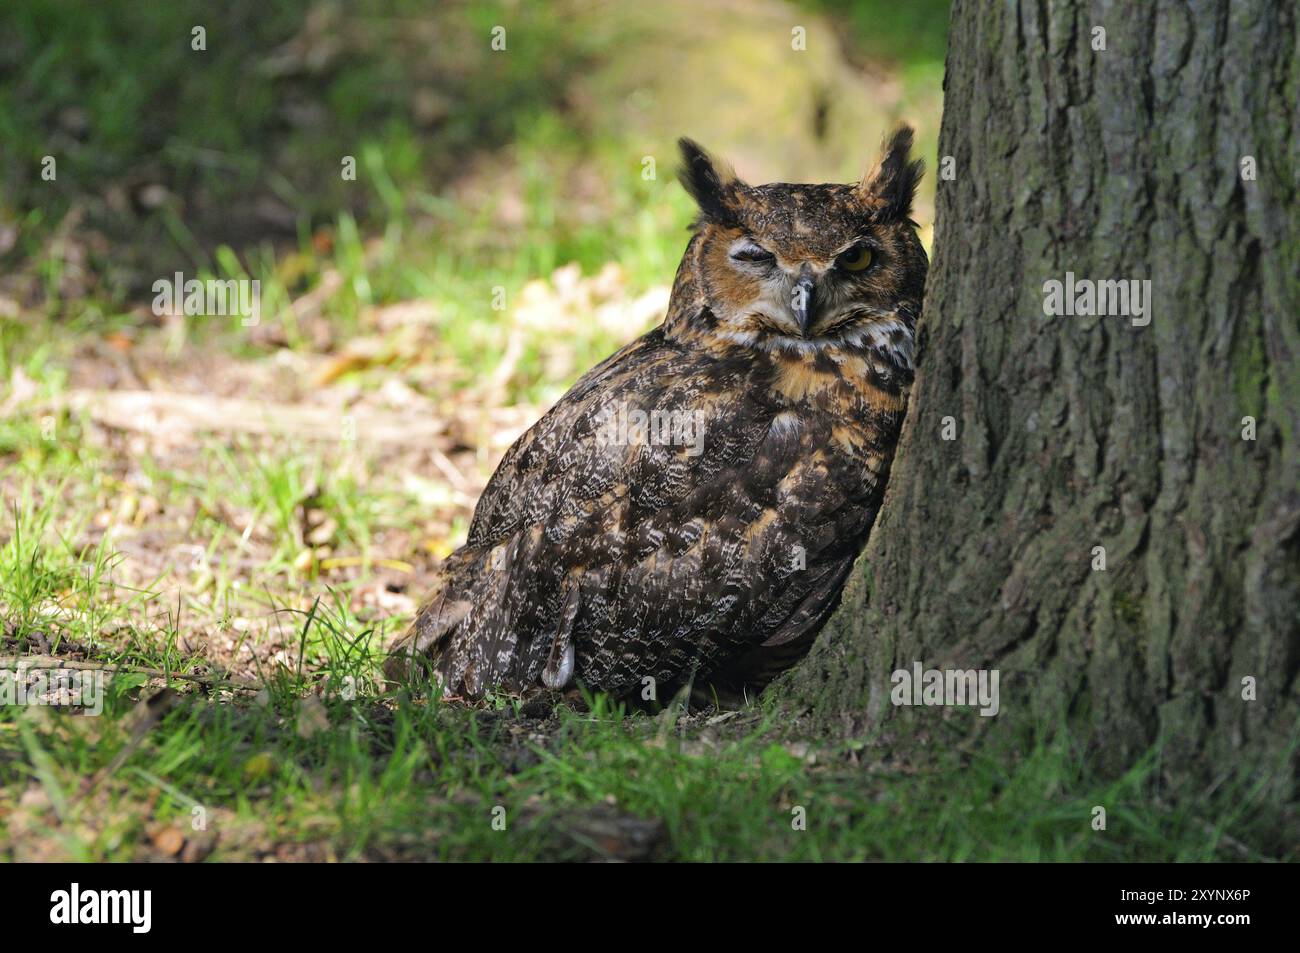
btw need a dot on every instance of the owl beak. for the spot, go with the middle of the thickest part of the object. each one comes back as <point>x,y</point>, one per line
<point>801,301</point>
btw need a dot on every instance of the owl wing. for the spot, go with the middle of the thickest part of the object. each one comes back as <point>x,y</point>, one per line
<point>650,522</point>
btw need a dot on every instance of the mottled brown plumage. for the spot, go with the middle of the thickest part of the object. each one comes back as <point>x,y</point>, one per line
<point>689,511</point>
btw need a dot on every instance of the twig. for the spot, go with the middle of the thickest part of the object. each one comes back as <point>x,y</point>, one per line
<point>8,662</point>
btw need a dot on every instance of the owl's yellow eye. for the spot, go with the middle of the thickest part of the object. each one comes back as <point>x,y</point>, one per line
<point>856,259</point>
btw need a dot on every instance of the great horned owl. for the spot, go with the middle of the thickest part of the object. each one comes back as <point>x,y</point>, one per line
<point>689,511</point>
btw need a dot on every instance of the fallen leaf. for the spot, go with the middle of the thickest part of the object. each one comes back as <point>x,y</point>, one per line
<point>168,841</point>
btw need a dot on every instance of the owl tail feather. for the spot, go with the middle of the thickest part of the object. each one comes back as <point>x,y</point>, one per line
<point>419,648</point>
<point>558,671</point>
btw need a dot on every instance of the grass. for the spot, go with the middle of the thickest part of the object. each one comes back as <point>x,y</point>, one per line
<point>297,775</point>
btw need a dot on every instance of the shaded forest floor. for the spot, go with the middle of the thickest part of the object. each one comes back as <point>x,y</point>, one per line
<point>235,516</point>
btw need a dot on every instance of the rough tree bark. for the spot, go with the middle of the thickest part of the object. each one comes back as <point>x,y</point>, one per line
<point>1074,432</point>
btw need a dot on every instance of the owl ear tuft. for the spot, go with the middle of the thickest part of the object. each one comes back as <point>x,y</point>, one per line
<point>710,181</point>
<point>891,184</point>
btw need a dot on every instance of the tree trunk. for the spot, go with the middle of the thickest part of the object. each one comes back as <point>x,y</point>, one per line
<point>1171,155</point>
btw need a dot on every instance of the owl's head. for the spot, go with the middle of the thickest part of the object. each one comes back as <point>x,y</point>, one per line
<point>803,267</point>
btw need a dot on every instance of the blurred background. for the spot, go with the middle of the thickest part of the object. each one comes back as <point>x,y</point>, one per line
<point>513,218</point>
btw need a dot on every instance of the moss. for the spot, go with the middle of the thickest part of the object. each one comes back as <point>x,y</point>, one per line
<point>1128,609</point>
<point>1250,370</point>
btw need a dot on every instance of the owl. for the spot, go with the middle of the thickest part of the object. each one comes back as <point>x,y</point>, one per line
<point>687,514</point>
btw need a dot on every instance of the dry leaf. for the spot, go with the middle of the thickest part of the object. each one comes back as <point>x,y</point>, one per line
<point>168,841</point>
